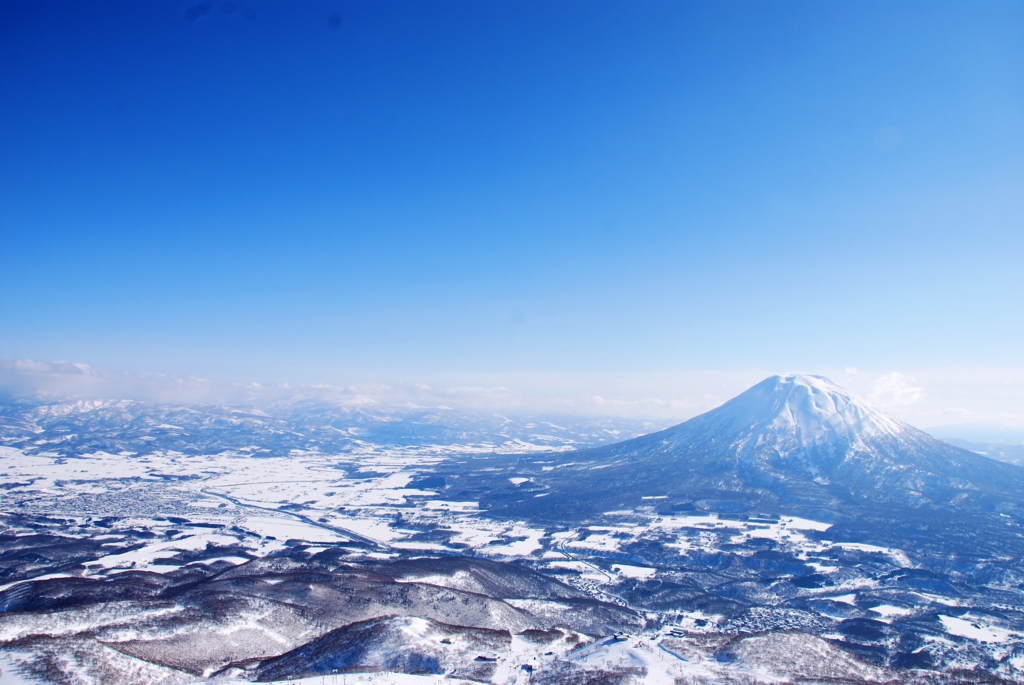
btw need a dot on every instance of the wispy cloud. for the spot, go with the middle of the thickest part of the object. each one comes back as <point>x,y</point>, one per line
<point>663,397</point>
<point>68,380</point>
<point>943,396</point>
<point>73,381</point>
<point>895,390</point>
<point>29,377</point>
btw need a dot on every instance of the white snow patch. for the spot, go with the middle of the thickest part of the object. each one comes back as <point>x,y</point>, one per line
<point>453,506</point>
<point>889,612</point>
<point>976,628</point>
<point>639,572</point>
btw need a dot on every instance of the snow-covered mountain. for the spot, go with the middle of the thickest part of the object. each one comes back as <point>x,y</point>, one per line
<point>791,444</point>
<point>80,428</point>
<point>797,428</point>
<point>795,416</point>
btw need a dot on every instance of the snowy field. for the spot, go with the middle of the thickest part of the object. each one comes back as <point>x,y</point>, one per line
<point>166,511</point>
<point>260,504</point>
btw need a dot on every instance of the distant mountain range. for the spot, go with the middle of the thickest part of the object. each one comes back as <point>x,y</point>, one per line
<point>1000,451</point>
<point>76,428</point>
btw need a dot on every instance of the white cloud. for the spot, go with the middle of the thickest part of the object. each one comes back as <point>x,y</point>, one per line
<point>895,390</point>
<point>931,397</point>
<point>76,380</point>
<point>666,397</point>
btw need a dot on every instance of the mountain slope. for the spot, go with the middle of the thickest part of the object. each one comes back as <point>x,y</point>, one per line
<point>790,444</point>
<point>803,437</point>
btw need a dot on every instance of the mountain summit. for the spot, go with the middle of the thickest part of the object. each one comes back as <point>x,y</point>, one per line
<point>797,425</point>
<point>799,412</point>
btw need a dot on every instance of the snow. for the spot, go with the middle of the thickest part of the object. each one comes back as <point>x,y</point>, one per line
<point>889,612</point>
<point>10,676</point>
<point>377,529</point>
<point>529,543</point>
<point>599,542</point>
<point>285,528</point>
<point>586,571</point>
<point>46,576</point>
<point>229,559</point>
<point>938,599</point>
<point>151,554</point>
<point>811,409</point>
<point>797,523</point>
<point>453,506</point>
<point>976,628</point>
<point>257,505</point>
<point>896,554</point>
<point>789,417</point>
<point>641,572</point>
<point>254,505</point>
<point>697,622</point>
<point>382,678</point>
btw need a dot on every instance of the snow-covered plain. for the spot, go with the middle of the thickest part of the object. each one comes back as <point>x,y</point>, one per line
<point>260,505</point>
<point>726,597</point>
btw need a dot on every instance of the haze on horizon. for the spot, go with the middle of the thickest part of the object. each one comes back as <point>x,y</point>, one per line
<point>626,208</point>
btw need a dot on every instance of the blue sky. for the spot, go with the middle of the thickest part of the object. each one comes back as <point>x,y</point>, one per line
<point>338,192</point>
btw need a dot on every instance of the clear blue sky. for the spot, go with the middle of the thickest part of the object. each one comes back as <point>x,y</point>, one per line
<point>303,191</point>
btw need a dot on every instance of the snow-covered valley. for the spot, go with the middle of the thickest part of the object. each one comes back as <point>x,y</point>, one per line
<point>163,565</point>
